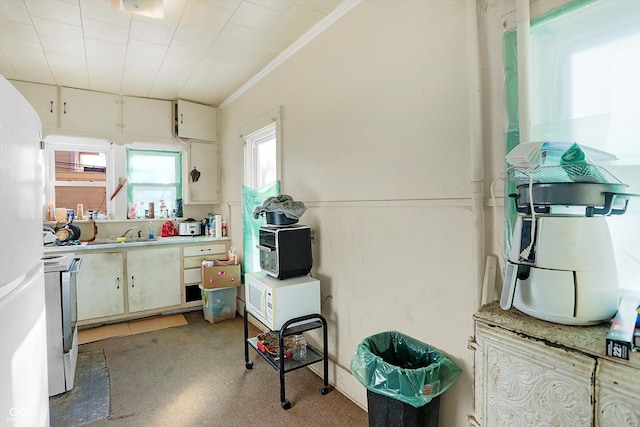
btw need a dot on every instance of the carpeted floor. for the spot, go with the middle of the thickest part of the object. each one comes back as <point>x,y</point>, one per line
<point>195,375</point>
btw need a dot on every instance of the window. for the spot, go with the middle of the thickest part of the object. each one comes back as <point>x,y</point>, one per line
<point>261,157</point>
<point>585,65</point>
<point>77,173</point>
<point>261,181</point>
<point>154,183</point>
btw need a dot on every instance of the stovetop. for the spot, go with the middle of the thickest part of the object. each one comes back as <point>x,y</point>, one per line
<point>57,262</point>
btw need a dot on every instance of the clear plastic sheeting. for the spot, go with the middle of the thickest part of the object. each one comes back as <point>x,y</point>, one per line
<point>403,368</point>
<point>251,199</point>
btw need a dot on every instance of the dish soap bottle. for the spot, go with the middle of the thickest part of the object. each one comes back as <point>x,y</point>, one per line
<point>150,230</point>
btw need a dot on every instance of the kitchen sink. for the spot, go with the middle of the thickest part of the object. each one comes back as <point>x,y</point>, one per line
<point>114,242</point>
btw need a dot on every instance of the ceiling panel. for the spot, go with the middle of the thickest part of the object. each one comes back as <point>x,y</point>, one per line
<point>54,10</point>
<point>151,32</point>
<point>62,47</point>
<point>58,30</point>
<point>14,11</point>
<point>105,31</point>
<point>203,50</point>
<point>255,17</point>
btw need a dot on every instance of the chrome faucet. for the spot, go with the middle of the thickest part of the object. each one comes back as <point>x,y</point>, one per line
<point>132,228</point>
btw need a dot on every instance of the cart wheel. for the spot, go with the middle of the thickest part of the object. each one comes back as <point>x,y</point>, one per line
<point>249,365</point>
<point>324,390</point>
<point>285,405</point>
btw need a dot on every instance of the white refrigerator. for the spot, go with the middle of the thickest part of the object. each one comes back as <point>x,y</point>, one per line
<point>24,396</point>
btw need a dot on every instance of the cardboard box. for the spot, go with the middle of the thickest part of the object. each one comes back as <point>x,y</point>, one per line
<point>620,336</point>
<point>222,276</point>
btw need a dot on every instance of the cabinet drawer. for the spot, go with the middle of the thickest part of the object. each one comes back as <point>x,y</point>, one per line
<point>196,261</point>
<point>192,275</point>
<point>199,250</point>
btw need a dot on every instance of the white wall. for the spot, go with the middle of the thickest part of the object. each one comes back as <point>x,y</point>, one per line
<point>376,143</point>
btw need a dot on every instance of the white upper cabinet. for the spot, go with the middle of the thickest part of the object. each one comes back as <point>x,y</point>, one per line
<point>43,99</point>
<point>204,158</point>
<point>147,118</point>
<point>196,121</point>
<point>90,111</point>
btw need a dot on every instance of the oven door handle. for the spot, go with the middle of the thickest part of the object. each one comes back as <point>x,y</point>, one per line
<point>75,266</point>
<point>264,248</point>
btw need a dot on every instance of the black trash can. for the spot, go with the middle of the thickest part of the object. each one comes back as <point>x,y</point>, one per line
<point>404,378</point>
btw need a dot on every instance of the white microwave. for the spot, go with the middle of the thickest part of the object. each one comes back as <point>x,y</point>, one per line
<point>273,301</point>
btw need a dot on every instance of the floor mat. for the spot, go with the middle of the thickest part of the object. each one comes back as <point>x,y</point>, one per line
<point>89,398</point>
<point>129,328</point>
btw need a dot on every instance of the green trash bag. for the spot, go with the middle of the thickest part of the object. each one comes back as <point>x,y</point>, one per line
<point>403,368</point>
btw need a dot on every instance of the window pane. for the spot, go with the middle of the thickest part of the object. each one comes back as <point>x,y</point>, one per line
<point>266,162</point>
<point>74,171</point>
<point>153,177</point>
<point>586,90</point>
<point>80,166</point>
<point>143,194</point>
<point>152,168</point>
<point>92,198</point>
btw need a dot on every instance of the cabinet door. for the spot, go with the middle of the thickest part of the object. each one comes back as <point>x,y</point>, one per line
<point>196,121</point>
<point>90,111</point>
<point>617,395</point>
<point>521,382</point>
<point>153,278</point>
<point>144,117</point>
<point>43,99</point>
<point>203,157</point>
<point>100,284</point>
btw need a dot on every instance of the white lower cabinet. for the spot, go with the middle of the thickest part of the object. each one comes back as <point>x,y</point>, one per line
<point>618,404</point>
<point>123,284</point>
<point>101,285</point>
<point>529,372</point>
<point>153,278</point>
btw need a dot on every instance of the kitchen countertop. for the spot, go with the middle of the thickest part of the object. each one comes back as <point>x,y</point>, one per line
<point>108,244</point>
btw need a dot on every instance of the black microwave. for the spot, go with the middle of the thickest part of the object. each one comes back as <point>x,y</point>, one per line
<point>285,252</point>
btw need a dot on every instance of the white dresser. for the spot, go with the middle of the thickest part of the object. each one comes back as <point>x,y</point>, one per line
<point>529,372</point>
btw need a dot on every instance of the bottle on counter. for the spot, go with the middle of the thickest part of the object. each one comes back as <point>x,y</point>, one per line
<point>224,228</point>
<point>150,230</point>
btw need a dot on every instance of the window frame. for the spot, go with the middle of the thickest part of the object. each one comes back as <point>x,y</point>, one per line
<point>252,142</point>
<point>179,185</point>
<point>62,143</point>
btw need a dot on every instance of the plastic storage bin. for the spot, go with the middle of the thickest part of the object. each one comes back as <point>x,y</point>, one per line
<point>404,378</point>
<point>219,304</point>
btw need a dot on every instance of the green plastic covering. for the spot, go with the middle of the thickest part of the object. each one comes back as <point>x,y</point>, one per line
<point>398,366</point>
<point>510,54</point>
<point>251,199</point>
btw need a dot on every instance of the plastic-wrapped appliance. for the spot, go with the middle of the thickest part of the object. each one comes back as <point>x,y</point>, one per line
<point>561,265</point>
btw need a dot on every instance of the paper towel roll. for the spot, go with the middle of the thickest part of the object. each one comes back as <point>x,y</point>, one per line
<point>218,226</point>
